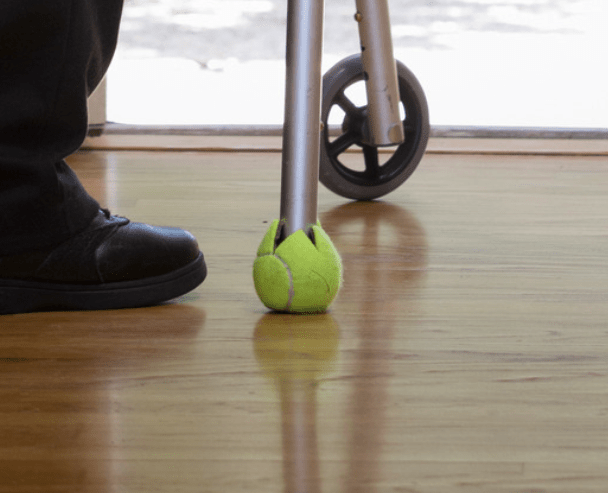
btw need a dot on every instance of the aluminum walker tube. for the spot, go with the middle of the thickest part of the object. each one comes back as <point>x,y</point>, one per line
<point>378,59</point>
<point>302,128</point>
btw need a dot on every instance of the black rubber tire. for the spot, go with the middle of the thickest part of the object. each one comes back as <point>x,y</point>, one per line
<point>377,179</point>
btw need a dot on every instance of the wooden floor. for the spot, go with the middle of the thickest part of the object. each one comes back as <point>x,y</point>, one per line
<point>467,351</point>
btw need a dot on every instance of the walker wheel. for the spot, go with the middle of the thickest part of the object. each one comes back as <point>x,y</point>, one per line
<point>377,174</point>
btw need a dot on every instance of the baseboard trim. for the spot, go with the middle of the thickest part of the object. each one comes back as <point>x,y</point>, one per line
<point>443,140</point>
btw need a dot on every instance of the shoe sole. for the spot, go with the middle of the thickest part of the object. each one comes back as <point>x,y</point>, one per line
<point>17,296</point>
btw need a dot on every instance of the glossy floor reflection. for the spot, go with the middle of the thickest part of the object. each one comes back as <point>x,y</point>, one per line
<point>296,353</point>
<point>466,351</point>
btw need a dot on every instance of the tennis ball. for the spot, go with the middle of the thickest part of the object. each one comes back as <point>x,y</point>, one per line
<point>298,275</point>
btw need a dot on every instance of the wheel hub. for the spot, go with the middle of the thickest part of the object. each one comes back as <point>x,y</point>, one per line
<point>357,124</point>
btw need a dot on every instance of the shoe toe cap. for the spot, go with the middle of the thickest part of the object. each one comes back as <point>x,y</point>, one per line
<point>139,251</point>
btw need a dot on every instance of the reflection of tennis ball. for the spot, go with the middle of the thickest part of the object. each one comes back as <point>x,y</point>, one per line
<point>296,348</point>
<point>297,276</point>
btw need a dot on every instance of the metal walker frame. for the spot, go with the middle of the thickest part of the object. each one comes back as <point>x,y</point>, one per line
<point>302,127</point>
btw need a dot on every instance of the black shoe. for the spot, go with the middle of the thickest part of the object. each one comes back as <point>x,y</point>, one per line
<point>114,263</point>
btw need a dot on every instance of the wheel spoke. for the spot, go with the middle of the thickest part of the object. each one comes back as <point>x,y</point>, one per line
<point>372,164</point>
<point>341,144</point>
<point>346,104</point>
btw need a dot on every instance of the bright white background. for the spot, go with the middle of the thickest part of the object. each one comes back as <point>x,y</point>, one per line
<point>532,63</point>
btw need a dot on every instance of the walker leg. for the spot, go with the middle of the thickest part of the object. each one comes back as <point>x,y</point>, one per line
<point>302,128</point>
<point>386,127</point>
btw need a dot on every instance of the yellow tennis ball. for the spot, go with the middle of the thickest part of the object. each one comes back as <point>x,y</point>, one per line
<point>297,276</point>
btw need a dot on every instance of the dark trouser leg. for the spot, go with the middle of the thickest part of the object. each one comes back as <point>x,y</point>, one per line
<point>52,55</point>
